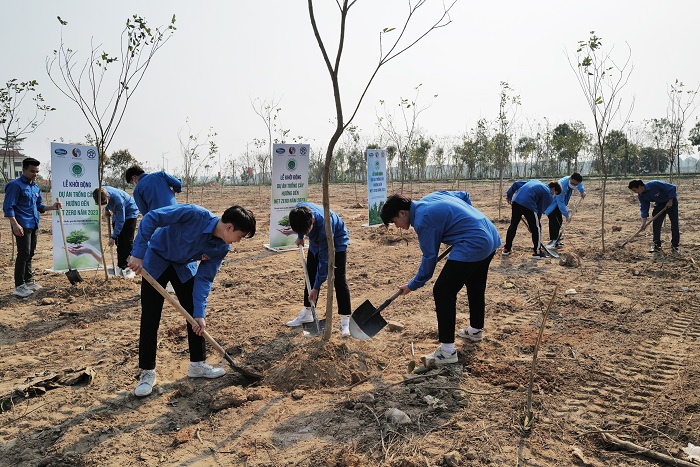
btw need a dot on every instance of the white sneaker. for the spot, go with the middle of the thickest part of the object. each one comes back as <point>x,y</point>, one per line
<point>118,271</point>
<point>22,291</point>
<point>146,383</point>
<point>471,334</point>
<point>305,316</point>
<point>204,370</point>
<point>344,329</point>
<point>128,273</point>
<point>439,358</point>
<point>33,286</point>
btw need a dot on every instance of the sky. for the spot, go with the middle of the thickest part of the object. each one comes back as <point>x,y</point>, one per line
<point>226,54</point>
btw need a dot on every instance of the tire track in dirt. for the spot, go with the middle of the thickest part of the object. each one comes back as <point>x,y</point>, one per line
<point>627,390</point>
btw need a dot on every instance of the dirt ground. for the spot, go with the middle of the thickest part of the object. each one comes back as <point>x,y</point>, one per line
<point>621,356</point>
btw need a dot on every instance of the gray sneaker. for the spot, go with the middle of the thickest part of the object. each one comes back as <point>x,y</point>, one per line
<point>471,334</point>
<point>22,291</point>
<point>33,286</point>
<point>146,383</point>
<point>204,370</point>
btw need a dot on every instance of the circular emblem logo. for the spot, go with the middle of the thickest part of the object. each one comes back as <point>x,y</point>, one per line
<point>376,165</point>
<point>91,154</point>
<point>76,169</point>
<point>76,152</point>
<point>291,165</point>
<point>292,149</point>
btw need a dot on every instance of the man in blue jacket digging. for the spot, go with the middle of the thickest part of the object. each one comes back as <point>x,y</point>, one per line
<point>448,217</point>
<point>557,211</point>
<point>664,197</point>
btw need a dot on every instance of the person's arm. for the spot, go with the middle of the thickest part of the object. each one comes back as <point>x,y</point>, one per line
<point>174,183</point>
<point>140,202</point>
<point>158,218</point>
<point>119,218</point>
<point>581,190</point>
<point>206,272</point>
<point>322,268</point>
<point>12,193</point>
<point>429,240</point>
<point>42,208</point>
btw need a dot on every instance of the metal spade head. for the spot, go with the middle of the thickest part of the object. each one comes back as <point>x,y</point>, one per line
<point>312,330</point>
<point>73,276</point>
<point>366,321</point>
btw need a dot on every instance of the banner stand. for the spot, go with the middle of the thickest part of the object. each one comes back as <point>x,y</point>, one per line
<point>283,249</point>
<point>376,186</point>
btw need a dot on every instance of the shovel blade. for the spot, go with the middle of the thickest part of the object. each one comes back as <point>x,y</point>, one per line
<point>369,328</point>
<point>550,251</point>
<point>311,330</point>
<point>552,244</point>
<point>364,312</point>
<point>73,276</point>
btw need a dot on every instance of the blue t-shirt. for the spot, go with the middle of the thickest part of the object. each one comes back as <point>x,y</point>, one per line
<point>155,191</point>
<point>180,236</point>
<point>318,243</point>
<point>446,217</point>
<point>23,201</point>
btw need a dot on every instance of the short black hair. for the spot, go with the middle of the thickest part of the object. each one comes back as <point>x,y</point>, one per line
<point>131,172</point>
<point>241,218</point>
<point>635,184</point>
<point>392,206</point>
<point>30,161</point>
<point>555,186</point>
<point>577,176</point>
<point>300,219</point>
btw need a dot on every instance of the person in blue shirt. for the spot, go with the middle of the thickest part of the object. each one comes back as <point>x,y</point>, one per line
<point>513,190</point>
<point>665,199</point>
<point>448,217</point>
<point>307,219</point>
<point>154,190</point>
<point>530,202</point>
<point>22,204</point>
<point>557,209</point>
<point>124,213</point>
<point>183,245</point>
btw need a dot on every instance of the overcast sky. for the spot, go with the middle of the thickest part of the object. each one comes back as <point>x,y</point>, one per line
<point>226,53</point>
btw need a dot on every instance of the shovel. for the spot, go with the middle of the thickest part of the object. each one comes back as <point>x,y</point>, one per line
<point>553,243</point>
<point>72,274</point>
<point>549,250</point>
<point>113,271</point>
<point>242,370</point>
<point>642,229</point>
<point>316,327</point>
<point>366,321</point>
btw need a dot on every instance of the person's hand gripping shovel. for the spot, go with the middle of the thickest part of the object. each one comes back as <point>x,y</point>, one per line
<point>113,271</point>
<point>553,243</point>
<point>643,228</point>
<point>366,321</point>
<point>315,327</point>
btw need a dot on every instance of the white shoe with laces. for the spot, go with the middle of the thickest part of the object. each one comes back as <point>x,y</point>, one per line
<point>22,291</point>
<point>471,334</point>
<point>439,358</point>
<point>305,316</point>
<point>128,273</point>
<point>33,286</point>
<point>146,383</point>
<point>204,370</point>
<point>344,329</point>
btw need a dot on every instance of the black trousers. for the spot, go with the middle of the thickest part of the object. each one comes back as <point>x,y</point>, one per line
<point>342,291</point>
<point>672,214</point>
<point>26,245</point>
<point>533,223</point>
<point>151,309</point>
<point>454,276</point>
<point>125,242</point>
<point>555,221</point>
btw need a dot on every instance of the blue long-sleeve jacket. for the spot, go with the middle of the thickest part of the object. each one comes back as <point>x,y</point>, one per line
<point>23,201</point>
<point>184,238</point>
<point>155,190</point>
<point>318,244</point>
<point>123,207</point>
<point>445,217</point>
<point>562,200</point>
<point>514,188</point>
<point>535,196</point>
<point>657,191</point>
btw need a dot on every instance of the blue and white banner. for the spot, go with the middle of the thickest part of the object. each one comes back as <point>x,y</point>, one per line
<point>290,185</point>
<point>73,177</point>
<point>376,184</point>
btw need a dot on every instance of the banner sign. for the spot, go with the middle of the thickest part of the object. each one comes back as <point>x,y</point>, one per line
<point>73,177</point>
<point>376,184</point>
<point>290,185</point>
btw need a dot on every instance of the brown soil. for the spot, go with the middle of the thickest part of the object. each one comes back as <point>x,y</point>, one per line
<point>621,355</point>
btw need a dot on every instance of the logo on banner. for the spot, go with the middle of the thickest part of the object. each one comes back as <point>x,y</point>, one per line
<point>292,150</point>
<point>91,154</point>
<point>302,151</point>
<point>279,150</point>
<point>61,152</point>
<point>291,165</point>
<point>377,165</point>
<point>77,170</point>
<point>76,152</point>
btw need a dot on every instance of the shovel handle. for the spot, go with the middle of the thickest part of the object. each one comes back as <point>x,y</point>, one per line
<point>642,229</point>
<point>146,275</point>
<point>63,234</point>
<point>308,287</point>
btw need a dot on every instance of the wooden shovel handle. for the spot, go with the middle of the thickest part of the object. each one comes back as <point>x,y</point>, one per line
<point>642,229</point>
<point>63,234</point>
